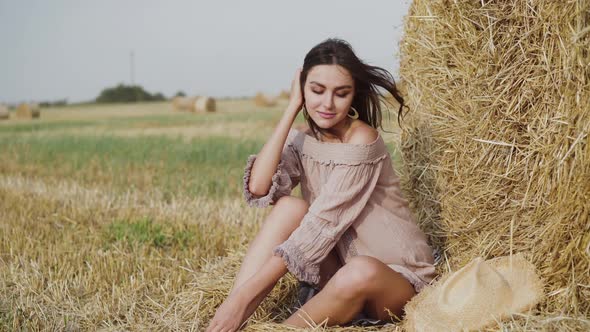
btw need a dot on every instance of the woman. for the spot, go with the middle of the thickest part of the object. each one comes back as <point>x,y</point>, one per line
<point>352,235</point>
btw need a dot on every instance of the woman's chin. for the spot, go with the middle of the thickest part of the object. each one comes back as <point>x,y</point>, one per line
<point>325,123</point>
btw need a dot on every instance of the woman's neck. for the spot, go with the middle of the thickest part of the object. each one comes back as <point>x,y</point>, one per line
<point>338,133</point>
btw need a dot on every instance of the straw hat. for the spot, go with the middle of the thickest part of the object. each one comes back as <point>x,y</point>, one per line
<point>479,294</point>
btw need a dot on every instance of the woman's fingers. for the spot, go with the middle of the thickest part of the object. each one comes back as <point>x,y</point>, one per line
<point>296,97</point>
<point>228,316</point>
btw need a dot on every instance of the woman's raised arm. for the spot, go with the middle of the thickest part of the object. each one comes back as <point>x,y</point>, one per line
<point>268,158</point>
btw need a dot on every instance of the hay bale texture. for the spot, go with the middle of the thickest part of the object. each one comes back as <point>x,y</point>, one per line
<point>4,114</point>
<point>199,104</point>
<point>28,111</point>
<point>495,146</point>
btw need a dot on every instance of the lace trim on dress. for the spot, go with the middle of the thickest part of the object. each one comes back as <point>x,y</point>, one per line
<point>281,186</point>
<point>328,162</point>
<point>348,245</point>
<point>296,264</point>
<point>329,153</point>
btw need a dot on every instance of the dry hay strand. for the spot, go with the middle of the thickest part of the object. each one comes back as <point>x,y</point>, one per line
<point>264,100</point>
<point>186,104</point>
<point>28,111</point>
<point>4,113</point>
<point>204,104</point>
<point>495,146</point>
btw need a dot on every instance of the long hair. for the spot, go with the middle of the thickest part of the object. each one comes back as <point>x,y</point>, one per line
<point>367,80</point>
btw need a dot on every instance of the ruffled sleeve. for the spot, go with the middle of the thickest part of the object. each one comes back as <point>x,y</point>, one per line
<point>339,203</point>
<point>284,180</point>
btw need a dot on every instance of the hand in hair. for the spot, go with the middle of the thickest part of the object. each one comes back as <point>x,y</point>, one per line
<point>296,96</point>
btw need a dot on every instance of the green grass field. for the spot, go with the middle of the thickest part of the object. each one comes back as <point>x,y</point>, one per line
<point>112,217</point>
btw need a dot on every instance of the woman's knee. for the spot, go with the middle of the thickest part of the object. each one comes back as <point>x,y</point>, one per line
<point>357,276</point>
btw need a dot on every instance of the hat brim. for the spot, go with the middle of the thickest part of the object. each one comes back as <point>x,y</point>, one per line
<point>423,312</point>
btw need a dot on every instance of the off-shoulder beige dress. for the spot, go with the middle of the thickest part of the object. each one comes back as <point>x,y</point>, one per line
<point>356,206</point>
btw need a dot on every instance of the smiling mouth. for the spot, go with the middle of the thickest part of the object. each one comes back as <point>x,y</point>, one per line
<point>327,115</point>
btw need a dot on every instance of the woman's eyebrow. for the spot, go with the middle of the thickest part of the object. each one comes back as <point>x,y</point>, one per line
<point>337,88</point>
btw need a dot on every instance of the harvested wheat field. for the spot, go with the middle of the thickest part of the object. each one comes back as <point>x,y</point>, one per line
<point>496,150</point>
<point>129,217</point>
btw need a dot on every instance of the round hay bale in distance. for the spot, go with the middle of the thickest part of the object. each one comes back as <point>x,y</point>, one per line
<point>184,104</point>
<point>264,100</point>
<point>28,111</point>
<point>205,104</point>
<point>4,113</point>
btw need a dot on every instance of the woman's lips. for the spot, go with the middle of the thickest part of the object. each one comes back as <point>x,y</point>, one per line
<point>327,115</point>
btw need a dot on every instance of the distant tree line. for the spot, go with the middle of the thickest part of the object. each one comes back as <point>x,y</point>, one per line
<point>55,103</point>
<point>119,94</point>
<point>127,94</point>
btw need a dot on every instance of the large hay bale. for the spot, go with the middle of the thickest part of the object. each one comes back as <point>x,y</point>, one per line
<point>28,111</point>
<point>264,100</point>
<point>186,104</point>
<point>496,145</point>
<point>205,104</point>
<point>4,114</point>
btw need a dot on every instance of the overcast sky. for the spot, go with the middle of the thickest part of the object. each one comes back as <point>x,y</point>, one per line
<point>73,49</point>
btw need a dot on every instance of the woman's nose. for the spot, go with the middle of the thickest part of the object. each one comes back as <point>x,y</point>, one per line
<point>328,101</point>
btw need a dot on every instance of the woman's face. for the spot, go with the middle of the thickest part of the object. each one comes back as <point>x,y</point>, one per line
<point>328,92</point>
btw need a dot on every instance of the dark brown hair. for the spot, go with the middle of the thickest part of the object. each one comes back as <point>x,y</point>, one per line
<point>367,80</point>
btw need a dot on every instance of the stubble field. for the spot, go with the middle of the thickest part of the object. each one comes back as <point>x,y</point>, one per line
<point>128,217</point>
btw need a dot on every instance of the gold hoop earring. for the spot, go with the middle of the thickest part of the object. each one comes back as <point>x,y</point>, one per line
<point>354,115</point>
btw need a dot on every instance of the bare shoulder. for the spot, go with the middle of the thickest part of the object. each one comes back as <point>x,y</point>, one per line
<point>362,133</point>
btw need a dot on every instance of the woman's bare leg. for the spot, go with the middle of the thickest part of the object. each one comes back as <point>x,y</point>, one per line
<point>329,267</point>
<point>284,218</point>
<point>364,283</point>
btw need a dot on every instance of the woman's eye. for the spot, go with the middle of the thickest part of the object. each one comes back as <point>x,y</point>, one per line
<point>317,92</point>
<point>343,95</point>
